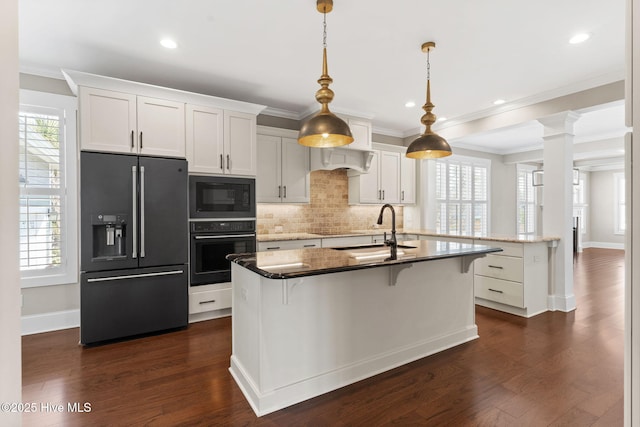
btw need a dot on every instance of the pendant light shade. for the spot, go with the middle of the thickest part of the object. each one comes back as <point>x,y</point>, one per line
<point>324,129</point>
<point>429,145</point>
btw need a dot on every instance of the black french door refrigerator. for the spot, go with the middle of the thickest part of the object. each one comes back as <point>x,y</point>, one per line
<point>133,240</point>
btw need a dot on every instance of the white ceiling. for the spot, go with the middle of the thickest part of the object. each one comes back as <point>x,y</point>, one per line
<point>269,52</point>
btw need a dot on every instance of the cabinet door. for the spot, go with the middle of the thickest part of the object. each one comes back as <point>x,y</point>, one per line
<point>107,121</point>
<point>161,128</point>
<point>204,129</point>
<point>269,178</point>
<point>361,131</point>
<point>407,180</point>
<point>370,192</point>
<point>389,174</point>
<point>240,143</point>
<point>295,172</point>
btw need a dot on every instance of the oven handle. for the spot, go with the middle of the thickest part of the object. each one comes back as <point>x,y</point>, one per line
<point>227,236</point>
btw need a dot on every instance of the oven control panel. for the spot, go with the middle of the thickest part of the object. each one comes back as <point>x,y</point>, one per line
<point>222,226</point>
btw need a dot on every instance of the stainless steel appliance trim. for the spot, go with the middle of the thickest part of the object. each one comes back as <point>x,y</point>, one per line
<point>142,252</point>
<point>134,276</point>
<point>226,236</point>
<point>221,219</point>
<point>134,170</point>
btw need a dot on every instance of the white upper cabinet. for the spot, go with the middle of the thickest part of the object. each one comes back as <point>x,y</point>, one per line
<point>240,156</point>
<point>407,180</point>
<point>124,123</point>
<point>295,172</point>
<point>283,168</point>
<point>220,141</point>
<point>108,121</point>
<point>361,131</point>
<point>381,184</point>
<point>217,135</point>
<point>205,151</point>
<point>160,127</point>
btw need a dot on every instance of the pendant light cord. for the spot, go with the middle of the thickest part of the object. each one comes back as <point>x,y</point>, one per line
<point>324,34</point>
<point>428,65</point>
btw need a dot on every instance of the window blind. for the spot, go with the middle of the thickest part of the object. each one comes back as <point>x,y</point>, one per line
<point>41,179</point>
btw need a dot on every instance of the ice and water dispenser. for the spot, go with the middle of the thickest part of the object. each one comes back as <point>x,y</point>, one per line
<point>109,236</point>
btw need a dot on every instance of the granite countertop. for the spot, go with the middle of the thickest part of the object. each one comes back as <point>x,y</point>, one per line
<point>431,233</point>
<point>294,263</point>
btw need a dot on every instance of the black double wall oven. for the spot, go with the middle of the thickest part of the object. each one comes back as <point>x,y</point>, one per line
<point>222,220</point>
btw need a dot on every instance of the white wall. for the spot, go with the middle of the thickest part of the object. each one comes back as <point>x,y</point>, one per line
<point>601,211</point>
<point>10,351</point>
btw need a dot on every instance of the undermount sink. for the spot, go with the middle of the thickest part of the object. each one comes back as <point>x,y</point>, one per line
<point>369,247</point>
<point>374,251</point>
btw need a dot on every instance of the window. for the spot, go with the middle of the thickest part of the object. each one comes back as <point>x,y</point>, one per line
<point>462,196</point>
<point>47,180</point>
<point>620,222</point>
<point>580,202</point>
<point>526,201</point>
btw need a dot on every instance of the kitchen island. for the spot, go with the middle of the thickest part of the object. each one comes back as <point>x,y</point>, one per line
<point>308,321</point>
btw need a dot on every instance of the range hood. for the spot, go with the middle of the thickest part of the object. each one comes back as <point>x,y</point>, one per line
<point>340,158</point>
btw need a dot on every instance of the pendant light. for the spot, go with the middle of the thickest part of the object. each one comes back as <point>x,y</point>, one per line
<point>429,145</point>
<point>324,129</point>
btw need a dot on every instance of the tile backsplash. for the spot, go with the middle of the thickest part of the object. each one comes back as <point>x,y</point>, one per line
<point>328,213</point>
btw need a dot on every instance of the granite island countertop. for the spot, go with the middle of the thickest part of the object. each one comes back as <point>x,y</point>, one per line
<point>287,264</point>
<point>421,232</point>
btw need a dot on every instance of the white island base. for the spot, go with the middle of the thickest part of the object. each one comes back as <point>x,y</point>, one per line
<point>294,339</point>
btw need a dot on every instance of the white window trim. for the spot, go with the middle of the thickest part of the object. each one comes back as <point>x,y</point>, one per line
<point>69,273</point>
<point>474,161</point>
<point>617,177</point>
<point>526,169</point>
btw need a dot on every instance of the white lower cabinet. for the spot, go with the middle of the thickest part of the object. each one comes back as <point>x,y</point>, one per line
<point>514,280</point>
<point>209,301</point>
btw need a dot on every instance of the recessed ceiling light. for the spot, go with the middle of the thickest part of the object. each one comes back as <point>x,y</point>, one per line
<point>499,102</point>
<point>410,104</point>
<point>168,43</point>
<point>579,38</point>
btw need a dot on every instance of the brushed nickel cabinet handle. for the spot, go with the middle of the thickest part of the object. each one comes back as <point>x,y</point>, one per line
<point>496,266</point>
<point>221,162</point>
<point>132,134</point>
<point>141,140</point>
<point>496,290</point>
<point>207,302</point>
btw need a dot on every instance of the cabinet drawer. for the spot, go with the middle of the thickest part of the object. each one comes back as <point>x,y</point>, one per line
<point>336,242</point>
<point>502,291</point>
<point>500,267</point>
<point>209,300</point>
<point>280,245</point>
<point>508,248</point>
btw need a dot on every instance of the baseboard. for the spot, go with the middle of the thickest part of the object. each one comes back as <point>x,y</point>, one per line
<point>603,245</point>
<point>269,401</point>
<point>47,322</point>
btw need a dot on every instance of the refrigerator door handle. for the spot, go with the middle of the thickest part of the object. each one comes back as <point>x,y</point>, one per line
<point>142,254</point>
<point>134,276</point>
<point>134,176</point>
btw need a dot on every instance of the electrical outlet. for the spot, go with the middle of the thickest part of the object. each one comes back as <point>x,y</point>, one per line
<point>279,229</point>
<point>245,294</point>
<point>536,258</point>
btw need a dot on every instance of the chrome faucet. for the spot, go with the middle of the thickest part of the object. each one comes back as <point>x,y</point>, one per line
<point>392,243</point>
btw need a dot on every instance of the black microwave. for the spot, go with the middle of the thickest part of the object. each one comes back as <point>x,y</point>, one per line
<point>221,197</point>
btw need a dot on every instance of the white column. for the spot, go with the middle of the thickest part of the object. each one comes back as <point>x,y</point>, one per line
<point>10,354</point>
<point>557,211</point>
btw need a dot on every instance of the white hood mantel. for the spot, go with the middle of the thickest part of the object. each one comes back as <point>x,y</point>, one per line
<point>339,158</point>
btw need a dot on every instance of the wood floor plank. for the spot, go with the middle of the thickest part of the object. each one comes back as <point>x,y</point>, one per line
<point>553,369</point>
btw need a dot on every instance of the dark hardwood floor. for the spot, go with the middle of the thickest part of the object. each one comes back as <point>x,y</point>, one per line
<point>560,369</point>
